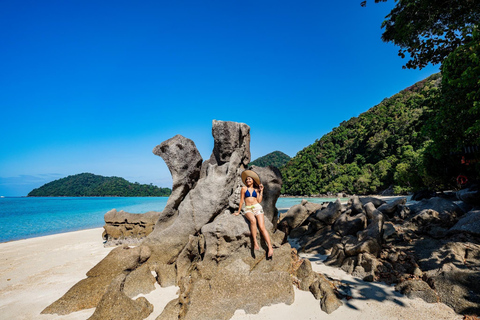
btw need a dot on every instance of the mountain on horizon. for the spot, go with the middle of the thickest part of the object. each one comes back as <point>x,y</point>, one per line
<point>91,185</point>
<point>276,158</point>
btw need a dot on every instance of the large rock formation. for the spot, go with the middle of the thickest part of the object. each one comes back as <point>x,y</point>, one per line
<point>198,244</point>
<point>430,249</point>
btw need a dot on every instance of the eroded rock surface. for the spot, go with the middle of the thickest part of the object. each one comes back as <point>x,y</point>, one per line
<point>128,228</point>
<point>430,249</point>
<point>198,244</point>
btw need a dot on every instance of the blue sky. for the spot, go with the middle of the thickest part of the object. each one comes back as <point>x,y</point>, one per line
<point>94,86</point>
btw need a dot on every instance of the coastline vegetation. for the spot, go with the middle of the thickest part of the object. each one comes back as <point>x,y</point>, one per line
<point>366,154</point>
<point>425,137</point>
<point>91,185</point>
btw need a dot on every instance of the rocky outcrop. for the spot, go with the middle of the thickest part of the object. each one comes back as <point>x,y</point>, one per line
<point>127,228</point>
<point>184,162</point>
<point>470,195</point>
<point>470,223</point>
<point>215,192</point>
<point>198,244</point>
<point>88,292</point>
<point>430,248</point>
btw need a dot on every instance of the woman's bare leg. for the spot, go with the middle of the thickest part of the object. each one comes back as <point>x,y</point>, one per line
<point>253,229</point>
<point>264,232</point>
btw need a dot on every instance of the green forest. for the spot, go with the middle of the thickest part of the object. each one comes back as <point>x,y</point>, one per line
<point>426,136</point>
<point>276,158</point>
<point>367,154</point>
<point>91,185</point>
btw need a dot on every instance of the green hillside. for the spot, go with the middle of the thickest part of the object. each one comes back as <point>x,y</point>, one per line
<point>276,158</point>
<point>367,154</point>
<point>91,185</point>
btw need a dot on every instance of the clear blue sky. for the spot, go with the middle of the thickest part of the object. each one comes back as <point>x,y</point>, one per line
<point>94,86</point>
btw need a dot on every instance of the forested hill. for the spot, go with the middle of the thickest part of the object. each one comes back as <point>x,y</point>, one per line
<point>276,158</point>
<point>380,148</point>
<point>91,185</point>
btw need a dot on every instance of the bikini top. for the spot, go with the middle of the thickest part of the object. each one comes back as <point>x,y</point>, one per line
<point>247,194</point>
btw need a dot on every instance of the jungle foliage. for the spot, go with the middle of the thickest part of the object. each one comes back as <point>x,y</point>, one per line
<point>366,154</point>
<point>91,185</point>
<point>422,137</point>
<point>276,158</point>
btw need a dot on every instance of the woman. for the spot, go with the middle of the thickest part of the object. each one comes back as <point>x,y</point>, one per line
<point>252,195</point>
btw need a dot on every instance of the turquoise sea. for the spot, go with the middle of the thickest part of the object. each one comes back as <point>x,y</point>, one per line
<point>22,217</point>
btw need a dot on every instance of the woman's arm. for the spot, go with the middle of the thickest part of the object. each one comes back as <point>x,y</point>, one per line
<point>242,198</point>
<point>260,193</point>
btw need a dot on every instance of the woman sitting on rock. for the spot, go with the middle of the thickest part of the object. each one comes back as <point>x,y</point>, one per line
<point>252,195</point>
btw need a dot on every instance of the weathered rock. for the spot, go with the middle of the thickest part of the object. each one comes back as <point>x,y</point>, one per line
<point>447,210</point>
<point>426,216</point>
<point>470,223</point>
<point>377,202</point>
<point>184,162</point>
<point>297,215</point>
<point>166,274</point>
<point>88,292</point>
<point>116,305</point>
<point>389,231</point>
<point>228,292</point>
<point>207,200</point>
<point>330,213</point>
<point>374,228</point>
<point>417,289</point>
<point>349,225</point>
<point>349,264</point>
<point>390,208</point>
<point>225,235</point>
<point>367,245</point>
<point>356,205</point>
<point>139,281</point>
<point>324,239</point>
<point>323,290</point>
<point>470,195</point>
<point>128,228</point>
<point>365,267</point>
<point>305,275</point>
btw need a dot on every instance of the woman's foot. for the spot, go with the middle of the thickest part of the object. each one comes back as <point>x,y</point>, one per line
<point>256,247</point>
<point>270,252</point>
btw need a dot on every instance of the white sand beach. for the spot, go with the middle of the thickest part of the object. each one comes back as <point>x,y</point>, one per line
<point>36,272</point>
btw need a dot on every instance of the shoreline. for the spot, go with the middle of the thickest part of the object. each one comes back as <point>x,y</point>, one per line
<point>281,210</point>
<point>35,272</point>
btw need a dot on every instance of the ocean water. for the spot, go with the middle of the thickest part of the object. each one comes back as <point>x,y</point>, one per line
<point>23,217</point>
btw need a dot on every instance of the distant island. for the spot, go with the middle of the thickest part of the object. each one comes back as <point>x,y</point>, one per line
<point>276,158</point>
<point>91,185</point>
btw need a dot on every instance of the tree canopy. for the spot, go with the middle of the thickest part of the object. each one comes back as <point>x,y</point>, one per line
<point>429,30</point>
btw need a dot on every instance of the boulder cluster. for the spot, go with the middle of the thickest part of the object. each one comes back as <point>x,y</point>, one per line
<point>429,248</point>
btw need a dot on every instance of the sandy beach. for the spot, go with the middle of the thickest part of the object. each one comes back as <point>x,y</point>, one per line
<point>36,272</point>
